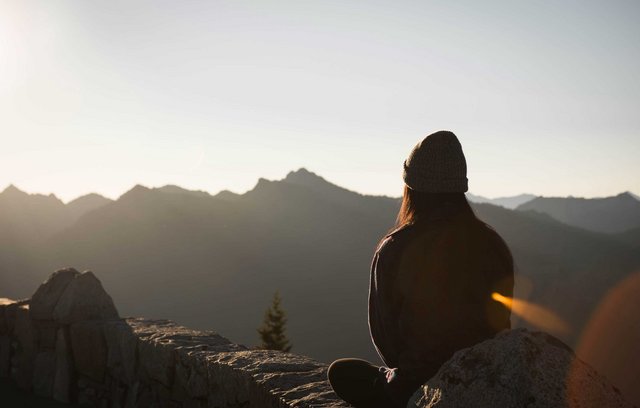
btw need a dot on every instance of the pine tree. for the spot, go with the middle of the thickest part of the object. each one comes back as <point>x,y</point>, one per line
<point>272,331</point>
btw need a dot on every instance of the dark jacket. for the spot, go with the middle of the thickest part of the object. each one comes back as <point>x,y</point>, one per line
<point>430,295</point>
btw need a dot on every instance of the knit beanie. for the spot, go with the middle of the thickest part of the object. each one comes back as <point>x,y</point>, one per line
<point>437,165</point>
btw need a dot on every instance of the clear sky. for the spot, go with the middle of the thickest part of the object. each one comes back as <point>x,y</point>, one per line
<point>96,96</point>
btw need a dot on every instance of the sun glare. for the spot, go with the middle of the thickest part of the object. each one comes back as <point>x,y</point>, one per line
<point>536,315</point>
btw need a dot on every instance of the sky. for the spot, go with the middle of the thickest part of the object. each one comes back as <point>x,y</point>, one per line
<point>212,95</point>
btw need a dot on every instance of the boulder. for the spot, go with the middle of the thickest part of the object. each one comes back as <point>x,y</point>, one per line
<point>5,356</point>
<point>49,292</point>
<point>4,304</point>
<point>44,373</point>
<point>25,335</point>
<point>89,349</point>
<point>84,298</point>
<point>10,311</point>
<point>268,378</point>
<point>46,334</point>
<point>159,342</point>
<point>517,368</point>
<point>64,368</point>
<point>122,345</point>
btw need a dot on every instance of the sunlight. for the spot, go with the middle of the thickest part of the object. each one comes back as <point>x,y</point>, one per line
<point>611,338</point>
<point>534,314</point>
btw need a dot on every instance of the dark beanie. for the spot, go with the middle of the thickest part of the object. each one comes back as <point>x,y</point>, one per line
<point>437,165</point>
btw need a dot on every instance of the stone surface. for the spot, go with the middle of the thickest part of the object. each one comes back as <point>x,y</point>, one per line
<point>64,368</point>
<point>10,314</point>
<point>517,368</point>
<point>89,349</point>
<point>122,346</point>
<point>4,303</point>
<point>84,298</point>
<point>5,356</point>
<point>159,340</point>
<point>49,292</point>
<point>44,373</point>
<point>25,334</point>
<point>46,331</point>
<point>78,350</point>
<point>269,378</point>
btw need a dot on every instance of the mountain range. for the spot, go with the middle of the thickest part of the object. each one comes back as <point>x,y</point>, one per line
<point>609,214</point>
<point>214,261</point>
<point>510,202</point>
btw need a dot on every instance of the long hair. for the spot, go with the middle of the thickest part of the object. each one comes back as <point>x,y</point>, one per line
<point>418,206</point>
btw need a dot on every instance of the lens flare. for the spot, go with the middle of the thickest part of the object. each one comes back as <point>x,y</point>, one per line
<point>611,339</point>
<point>535,315</point>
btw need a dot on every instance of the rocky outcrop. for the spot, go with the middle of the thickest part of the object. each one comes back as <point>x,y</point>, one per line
<point>517,368</point>
<point>68,343</point>
<point>47,295</point>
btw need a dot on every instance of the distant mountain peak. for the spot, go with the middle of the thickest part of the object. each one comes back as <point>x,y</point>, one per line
<point>227,195</point>
<point>627,195</point>
<point>510,202</point>
<point>302,176</point>
<point>14,193</point>
<point>140,187</point>
<point>13,190</point>
<point>91,199</point>
<point>614,214</point>
<point>135,191</point>
<point>173,189</point>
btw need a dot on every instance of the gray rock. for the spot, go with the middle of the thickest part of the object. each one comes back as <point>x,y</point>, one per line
<point>10,311</point>
<point>160,340</point>
<point>122,345</point>
<point>64,368</point>
<point>89,349</point>
<point>4,304</point>
<point>157,359</point>
<point>46,331</point>
<point>84,298</point>
<point>5,356</point>
<point>25,335</point>
<point>48,293</point>
<point>270,379</point>
<point>44,373</point>
<point>131,397</point>
<point>517,368</point>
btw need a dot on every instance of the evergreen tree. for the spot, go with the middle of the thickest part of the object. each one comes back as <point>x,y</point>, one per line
<point>272,331</point>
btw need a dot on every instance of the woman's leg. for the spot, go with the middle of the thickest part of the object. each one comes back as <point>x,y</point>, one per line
<point>358,382</point>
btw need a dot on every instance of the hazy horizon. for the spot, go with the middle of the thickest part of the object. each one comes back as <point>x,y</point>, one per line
<point>67,200</point>
<point>213,95</point>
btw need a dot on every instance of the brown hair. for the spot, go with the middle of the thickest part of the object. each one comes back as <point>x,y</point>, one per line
<point>420,208</point>
<point>418,205</point>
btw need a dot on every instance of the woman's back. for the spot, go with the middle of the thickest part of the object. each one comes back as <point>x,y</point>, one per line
<point>431,287</point>
<point>432,281</point>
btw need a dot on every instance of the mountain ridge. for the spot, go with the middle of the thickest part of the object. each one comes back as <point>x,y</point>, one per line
<point>302,175</point>
<point>613,214</point>
<point>171,254</point>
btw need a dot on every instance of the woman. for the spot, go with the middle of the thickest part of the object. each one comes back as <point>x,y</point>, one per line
<point>432,277</point>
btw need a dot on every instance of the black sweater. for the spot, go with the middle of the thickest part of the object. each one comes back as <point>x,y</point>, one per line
<point>430,295</point>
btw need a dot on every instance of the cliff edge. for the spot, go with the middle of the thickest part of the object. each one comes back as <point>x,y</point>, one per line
<point>69,343</point>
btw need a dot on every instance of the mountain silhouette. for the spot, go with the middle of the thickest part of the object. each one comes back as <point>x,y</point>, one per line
<point>631,237</point>
<point>26,222</point>
<point>609,214</point>
<point>82,205</point>
<point>213,261</point>
<point>510,202</point>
